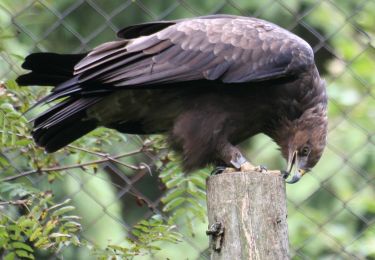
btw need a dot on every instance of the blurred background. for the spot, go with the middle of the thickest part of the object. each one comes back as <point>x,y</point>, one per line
<point>114,181</point>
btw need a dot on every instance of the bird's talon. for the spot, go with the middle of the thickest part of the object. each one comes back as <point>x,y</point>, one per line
<point>218,170</point>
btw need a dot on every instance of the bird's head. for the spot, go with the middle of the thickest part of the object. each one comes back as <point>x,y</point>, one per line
<point>304,143</point>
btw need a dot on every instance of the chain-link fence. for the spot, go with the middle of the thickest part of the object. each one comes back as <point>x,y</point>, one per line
<point>331,211</point>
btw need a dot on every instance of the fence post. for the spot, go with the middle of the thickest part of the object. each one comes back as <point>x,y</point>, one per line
<point>247,216</point>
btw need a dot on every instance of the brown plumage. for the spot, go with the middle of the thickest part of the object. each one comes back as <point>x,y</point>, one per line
<point>209,82</point>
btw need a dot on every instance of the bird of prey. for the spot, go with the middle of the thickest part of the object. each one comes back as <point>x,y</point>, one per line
<point>208,82</point>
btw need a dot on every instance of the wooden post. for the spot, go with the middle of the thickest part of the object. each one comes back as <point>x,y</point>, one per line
<point>247,216</point>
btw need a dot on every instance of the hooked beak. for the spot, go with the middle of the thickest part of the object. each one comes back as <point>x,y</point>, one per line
<point>294,166</point>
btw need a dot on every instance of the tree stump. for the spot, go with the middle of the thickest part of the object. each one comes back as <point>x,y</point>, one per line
<point>247,216</point>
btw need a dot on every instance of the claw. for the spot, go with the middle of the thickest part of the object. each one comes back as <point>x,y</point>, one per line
<point>218,170</point>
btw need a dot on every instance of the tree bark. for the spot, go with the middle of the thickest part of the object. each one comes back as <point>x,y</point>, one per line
<point>247,216</point>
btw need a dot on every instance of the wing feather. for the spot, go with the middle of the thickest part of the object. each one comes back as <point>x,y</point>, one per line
<point>231,49</point>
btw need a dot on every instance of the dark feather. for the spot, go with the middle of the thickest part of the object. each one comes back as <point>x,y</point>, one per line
<point>63,124</point>
<point>61,64</point>
<point>48,69</point>
<point>135,31</point>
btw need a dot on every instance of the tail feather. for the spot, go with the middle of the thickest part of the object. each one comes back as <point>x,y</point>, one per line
<point>50,112</point>
<point>64,113</point>
<point>63,124</point>
<point>48,69</point>
<point>66,120</point>
<point>62,64</point>
<point>40,79</point>
<point>65,134</point>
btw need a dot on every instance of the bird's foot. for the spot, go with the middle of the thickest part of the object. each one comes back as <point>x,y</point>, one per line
<point>242,164</point>
<point>223,169</point>
<point>247,167</point>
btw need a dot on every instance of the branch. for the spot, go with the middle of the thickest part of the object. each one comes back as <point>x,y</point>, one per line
<point>106,158</point>
<point>111,158</point>
<point>15,202</point>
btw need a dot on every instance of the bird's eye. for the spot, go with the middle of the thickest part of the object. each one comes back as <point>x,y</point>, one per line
<point>305,151</point>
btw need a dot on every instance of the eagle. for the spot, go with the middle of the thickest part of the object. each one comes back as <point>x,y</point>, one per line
<point>207,82</point>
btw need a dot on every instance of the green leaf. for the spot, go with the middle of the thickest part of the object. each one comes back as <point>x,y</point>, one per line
<point>16,235</point>
<point>191,188</point>
<point>48,245</point>
<point>199,181</point>
<point>24,254</point>
<point>175,181</point>
<point>6,107</point>
<point>173,204</point>
<point>4,129</point>
<point>63,210</point>
<point>26,223</point>
<point>60,204</point>
<point>195,204</point>
<point>75,240</point>
<point>49,226</point>
<point>10,256</point>
<point>198,193</point>
<point>23,142</point>
<point>20,245</point>
<point>72,224</point>
<point>172,194</point>
<point>155,248</point>
<point>56,235</point>
<point>36,234</point>
<point>71,218</point>
<point>41,241</point>
<point>136,232</point>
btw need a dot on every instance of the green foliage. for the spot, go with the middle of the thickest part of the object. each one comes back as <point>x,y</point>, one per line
<point>9,191</point>
<point>185,198</point>
<point>148,234</point>
<point>13,124</point>
<point>186,193</point>
<point>38,223</point>
<point>41,224</point>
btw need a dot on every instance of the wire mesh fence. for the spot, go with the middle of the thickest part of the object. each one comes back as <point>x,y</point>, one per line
<point>331,212</point>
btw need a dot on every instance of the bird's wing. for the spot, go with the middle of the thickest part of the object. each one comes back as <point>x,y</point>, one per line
<point>229,49</point>
<point>143,29</point>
